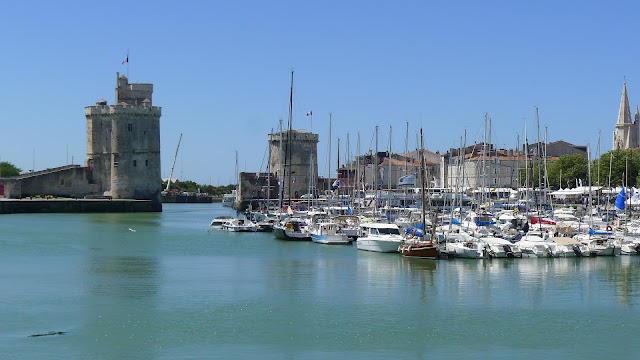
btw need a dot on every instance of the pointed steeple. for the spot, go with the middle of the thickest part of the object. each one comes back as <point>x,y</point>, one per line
<point>624,113</point>
<point>636,117</point>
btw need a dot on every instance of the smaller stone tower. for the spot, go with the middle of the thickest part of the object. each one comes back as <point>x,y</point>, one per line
<point>294,156</point>
<point>123,143</point>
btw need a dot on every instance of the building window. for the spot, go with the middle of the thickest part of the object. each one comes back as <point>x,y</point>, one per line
<point>130,126</point>
<point>115,164</point>
<point>146,163</point>
<point>61,181</point>
<point>135,163</point>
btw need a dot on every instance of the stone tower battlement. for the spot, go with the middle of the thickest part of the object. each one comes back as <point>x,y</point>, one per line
<point>295,136</point>
<point>108,110</point>
<point>132,94</point>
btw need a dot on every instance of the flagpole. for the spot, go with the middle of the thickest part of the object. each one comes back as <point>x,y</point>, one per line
<point>127,63</point>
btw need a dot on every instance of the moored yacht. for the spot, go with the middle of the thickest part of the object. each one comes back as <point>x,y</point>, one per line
<point>218,221</point>
<point>328,233</point>
<point>292,229</point>
<point>500,248</point>
<point>379,237</point>
<point>240,225</point>
<point>229,199</point>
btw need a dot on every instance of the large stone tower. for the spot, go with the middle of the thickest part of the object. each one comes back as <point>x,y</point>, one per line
<point>294,158</point>
<point>123,143</point>
<point>627,133</point>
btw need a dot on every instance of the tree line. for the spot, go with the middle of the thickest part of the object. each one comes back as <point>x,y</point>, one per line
<point>193,187</point>
<point>615,168</point>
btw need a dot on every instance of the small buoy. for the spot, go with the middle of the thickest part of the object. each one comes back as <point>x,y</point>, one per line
<point>130,229</point>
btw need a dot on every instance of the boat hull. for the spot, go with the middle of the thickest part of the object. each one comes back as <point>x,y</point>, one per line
<point>423,250</point>
<point>284,234</point>
<point>377,245</point>
<point>337,239</point>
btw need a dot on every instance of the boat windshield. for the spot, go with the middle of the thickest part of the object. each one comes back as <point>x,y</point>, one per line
<point>389,231</point>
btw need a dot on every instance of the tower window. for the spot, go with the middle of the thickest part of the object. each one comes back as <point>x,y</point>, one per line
<point>146,163</point>
<point>130,126</point>
<point>135,163</point>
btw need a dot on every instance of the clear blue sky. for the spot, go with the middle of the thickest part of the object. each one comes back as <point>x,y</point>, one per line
<point>221,72</point>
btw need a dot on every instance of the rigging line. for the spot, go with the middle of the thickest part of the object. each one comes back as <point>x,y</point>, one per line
<point>373,137</point>
<point>264,156</point>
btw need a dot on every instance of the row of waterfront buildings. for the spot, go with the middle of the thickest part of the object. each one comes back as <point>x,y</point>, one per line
<point>293,164</point>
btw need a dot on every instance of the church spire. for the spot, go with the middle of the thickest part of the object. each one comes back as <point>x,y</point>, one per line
<point>636,116</point>
<point>624,114</point>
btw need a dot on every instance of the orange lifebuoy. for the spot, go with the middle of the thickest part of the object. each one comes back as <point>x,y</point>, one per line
<point>609,228</point>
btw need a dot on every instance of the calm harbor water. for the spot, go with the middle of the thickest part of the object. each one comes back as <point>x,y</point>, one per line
<point>164,286</point>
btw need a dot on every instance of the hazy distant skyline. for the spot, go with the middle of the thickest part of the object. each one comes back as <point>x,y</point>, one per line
<point>221,73</point>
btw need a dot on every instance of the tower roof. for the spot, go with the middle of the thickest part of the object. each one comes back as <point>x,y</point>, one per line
<point>624,113</point>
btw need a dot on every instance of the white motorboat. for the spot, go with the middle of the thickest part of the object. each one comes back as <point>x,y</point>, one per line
<point>536,245</point>
<point>500,248</point>
<point>349,225</point>
<point>292,229</point>
<point>240,225</point>
<point>218,221</point>
<point>328,233</point>
<point>379,237</point>
<point>229,199</point>
<point>463,245</point>
<point>600,245</point>
<point>569,247</point>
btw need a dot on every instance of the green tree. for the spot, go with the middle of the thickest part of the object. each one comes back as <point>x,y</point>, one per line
<point>624,169</point>
<point>567,169</point>
<point>7,169</point>
<point>191,186</point>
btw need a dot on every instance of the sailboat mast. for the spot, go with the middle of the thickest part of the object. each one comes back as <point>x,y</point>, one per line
<point>268,195</point>
<point>526,168</point>
<point>546,174</point>
<point>422,190</point>
<point>375,177</point>
<point>589,177</point>
<point>280,173</point>
<point>338,175</point>
<point>389,175</point>
<point>174,163</point>
<point>288,155</point>
<point>237,177</point>
<point>347,160</point>
<point>356,190</point>
<point>538,155</point>
<point>484,163</point>
<point>329,158</point>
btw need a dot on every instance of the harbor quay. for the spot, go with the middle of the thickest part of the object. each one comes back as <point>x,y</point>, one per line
<point>58,205</point>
